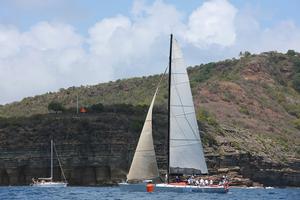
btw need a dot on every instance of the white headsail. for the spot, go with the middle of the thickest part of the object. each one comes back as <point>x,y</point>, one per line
<point>186,152</point>
<point>144,165</point>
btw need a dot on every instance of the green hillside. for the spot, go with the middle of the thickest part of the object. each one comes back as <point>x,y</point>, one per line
<point>251,104</point>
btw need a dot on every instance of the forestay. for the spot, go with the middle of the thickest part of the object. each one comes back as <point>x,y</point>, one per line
<point>186,152</point>
<point>144,165</point>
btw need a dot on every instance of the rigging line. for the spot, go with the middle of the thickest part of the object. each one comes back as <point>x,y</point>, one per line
<point>184,145</point>
<point>158,84</point>
<point>178,139</point>
<point>184,159</point>
<point>178,146</point>
<point>184,117</point>
<point>62,171</point>
<point>144,150</point>
<point>181,130</point>
<point>180,83</point>
<point>174,105</point>
<point>183,73</point>
<point>161,78</point>
<point>184,114</point>
<point>178,58</point>
<point>195,134</point>
<point>145,156</point>
<point>178,124</point>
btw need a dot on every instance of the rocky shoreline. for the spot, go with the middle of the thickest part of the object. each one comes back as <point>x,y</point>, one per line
<point>96,150</point>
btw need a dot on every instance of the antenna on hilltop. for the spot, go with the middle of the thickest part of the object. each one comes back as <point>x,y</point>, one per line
<point>77,104</point>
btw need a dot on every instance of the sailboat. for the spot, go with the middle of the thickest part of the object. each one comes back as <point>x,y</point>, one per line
<point>49,182</point>
<point>185,152</point>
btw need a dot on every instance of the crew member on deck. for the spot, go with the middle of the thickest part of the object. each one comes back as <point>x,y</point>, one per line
<point>166,178</point>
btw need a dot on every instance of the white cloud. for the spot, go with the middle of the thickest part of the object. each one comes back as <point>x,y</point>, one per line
<point>282,37</point>
<point>212,23</point>
<point>103,33</point>
<point>9,41</point>
<point>138,7</point>
<point>133,45</point>
<point>253,37</point>
<point>49,56</point>
<point>45,36</point>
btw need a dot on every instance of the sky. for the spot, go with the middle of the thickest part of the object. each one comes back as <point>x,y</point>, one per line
<point>46,45</point>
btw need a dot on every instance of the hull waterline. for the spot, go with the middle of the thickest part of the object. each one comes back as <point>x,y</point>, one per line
<point>141,187</point>
<point>51,184</point>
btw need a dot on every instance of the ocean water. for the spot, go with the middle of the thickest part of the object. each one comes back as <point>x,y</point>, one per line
<point>109,193</point>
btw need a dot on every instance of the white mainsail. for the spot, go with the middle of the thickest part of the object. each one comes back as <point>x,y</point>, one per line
<point>144,165</point>
<point>186,152</point>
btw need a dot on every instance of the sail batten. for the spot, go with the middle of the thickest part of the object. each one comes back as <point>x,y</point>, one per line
<point>186,156</point>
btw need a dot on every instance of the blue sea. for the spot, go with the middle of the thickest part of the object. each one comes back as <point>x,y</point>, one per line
<point>103,193</point>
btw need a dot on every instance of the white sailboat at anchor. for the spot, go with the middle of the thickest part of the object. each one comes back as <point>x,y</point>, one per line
<point>49,182</point>
<point>185,151</point>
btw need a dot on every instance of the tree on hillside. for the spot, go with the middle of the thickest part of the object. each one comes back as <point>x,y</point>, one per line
<point>296,82</point>
<point>97,107</point>
<point>245,54</point>
<point>55,106</point>
<point>291,52</point>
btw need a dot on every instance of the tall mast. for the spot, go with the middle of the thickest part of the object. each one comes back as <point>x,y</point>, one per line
<point>51,160</point>
<point>169,102</point>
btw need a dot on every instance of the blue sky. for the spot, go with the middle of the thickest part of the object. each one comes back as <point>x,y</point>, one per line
<point>49,44</point>
<point>84,13</point>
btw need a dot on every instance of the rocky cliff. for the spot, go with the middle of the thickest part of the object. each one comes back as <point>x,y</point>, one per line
<point>96,149</point>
